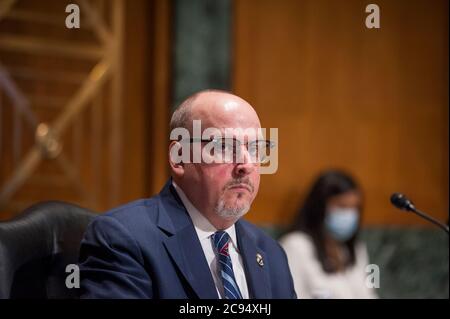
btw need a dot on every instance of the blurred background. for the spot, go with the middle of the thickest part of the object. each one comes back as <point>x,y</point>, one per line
<point>84,112</point>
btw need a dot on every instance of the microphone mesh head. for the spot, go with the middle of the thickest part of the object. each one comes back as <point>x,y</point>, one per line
<point>401,201</point>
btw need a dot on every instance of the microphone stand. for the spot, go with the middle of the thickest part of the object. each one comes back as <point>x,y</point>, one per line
<point>430,219</point>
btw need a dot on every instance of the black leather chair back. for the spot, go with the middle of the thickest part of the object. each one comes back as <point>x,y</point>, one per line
<point>36,247</point>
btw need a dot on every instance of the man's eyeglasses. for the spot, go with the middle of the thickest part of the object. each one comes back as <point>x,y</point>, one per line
<point>228,150</point>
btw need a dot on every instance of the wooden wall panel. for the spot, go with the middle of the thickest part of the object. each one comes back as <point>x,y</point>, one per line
<point>115,156</point>
<point>373,102</point>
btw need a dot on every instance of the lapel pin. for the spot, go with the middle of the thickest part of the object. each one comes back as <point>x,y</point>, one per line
<point>259,259</point>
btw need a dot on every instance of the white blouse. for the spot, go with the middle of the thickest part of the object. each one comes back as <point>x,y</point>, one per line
<point>311,281</point>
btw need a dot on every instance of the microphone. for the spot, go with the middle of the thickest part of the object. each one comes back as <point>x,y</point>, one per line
<point>404,203</point>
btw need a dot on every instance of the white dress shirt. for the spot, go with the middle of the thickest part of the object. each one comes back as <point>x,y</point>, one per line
<point>204,231</point>
<point>311,281</point>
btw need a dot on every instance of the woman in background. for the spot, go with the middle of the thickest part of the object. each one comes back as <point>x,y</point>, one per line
<point>325,257</point>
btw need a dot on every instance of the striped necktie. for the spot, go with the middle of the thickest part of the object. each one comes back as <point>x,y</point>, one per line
<point>221,240</point>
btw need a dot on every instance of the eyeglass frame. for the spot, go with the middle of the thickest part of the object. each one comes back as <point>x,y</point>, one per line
<point>271,144</point>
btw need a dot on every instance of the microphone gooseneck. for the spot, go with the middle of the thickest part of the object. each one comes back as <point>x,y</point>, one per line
<point>404,203</point>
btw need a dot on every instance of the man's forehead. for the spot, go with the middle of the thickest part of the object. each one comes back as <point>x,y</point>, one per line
<point>243,134</point>
<point>236,117</point>
<point>237,123</point>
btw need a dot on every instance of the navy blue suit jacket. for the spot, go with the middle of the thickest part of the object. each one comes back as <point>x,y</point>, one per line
<point>149,249</point>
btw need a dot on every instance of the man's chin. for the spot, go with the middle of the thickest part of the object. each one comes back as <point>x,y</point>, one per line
<point>233,211</point>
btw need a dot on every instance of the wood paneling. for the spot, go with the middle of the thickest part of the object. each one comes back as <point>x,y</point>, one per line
<point>373,102</point>
<point>115,148</point>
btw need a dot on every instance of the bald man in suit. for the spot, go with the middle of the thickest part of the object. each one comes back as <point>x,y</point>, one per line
<point>190,240</point>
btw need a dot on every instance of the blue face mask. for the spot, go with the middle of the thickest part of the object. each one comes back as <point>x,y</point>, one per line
<point>342,223</point>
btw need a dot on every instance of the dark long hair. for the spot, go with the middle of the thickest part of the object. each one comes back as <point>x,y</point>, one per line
<point>311,216</point>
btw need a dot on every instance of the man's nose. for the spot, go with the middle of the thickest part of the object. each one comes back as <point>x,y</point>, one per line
<point>244,165</point>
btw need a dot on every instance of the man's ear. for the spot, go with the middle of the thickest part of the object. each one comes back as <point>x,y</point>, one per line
<point>175,158</point>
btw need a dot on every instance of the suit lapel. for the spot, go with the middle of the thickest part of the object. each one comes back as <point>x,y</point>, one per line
<point>186,251</point>
<point>183,244</point>
<point>257,275</point>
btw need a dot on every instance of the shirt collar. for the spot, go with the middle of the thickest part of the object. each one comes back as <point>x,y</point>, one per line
<point>202,225</point>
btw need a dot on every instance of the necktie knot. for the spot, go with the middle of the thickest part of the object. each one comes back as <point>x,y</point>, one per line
<point>221,240</point>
